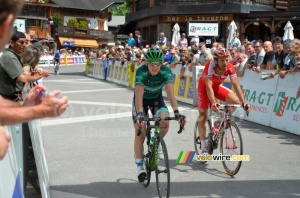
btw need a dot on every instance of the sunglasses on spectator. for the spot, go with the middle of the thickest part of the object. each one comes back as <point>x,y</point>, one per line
<point>155,64</point>
<point>23,42</point>
<point>257,46</point>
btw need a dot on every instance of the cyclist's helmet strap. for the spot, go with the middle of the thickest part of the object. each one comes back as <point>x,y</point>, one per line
<point>154,55</point>
<point>221,52</point>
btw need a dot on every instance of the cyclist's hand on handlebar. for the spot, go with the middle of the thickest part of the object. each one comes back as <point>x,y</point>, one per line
<point>181,120</point>
<point>246,107</point>
<point>139,121</point>
<point>214,107</point>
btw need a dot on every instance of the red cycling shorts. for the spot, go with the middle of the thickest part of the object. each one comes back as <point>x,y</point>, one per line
<point>220,93</point>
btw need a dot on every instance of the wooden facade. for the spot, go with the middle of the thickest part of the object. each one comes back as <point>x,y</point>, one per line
<point>256,19</point>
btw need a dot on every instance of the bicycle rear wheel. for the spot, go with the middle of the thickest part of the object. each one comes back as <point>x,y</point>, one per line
<point>162,171</point>
<point>197,142</point>
<point>231,144</point>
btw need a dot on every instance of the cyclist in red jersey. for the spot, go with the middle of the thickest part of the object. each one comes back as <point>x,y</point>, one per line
<point>210,87</point>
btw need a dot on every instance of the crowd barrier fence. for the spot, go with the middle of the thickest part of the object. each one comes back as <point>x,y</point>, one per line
<point>47,61</point>
<point>275,102</point>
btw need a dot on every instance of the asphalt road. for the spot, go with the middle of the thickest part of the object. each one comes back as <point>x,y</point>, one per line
<point>89,150</point>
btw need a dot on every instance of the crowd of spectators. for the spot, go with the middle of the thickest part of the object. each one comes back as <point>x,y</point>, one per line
<point>280,55</point>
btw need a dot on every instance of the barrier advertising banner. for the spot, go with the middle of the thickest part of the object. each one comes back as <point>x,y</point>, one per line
<point>261,97</point>
<point>10,181</point>
<point>286,110</point>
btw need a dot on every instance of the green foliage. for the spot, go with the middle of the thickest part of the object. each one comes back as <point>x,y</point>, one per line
<point>57,19</point>
<point>73,23</point>
<point>119,10</point>
<point>83,24</point>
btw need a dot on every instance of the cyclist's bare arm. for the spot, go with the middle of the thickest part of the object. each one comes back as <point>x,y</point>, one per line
<point>209,89</point>
<point>170,94</point>
<point>139,92</point>
<point>237,88</point>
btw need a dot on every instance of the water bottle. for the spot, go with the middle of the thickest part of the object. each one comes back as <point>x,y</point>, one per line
<point>43,93</point>
<point>218,122</point>
<point>151,143</point>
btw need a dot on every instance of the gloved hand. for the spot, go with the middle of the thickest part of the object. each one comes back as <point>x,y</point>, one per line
<point>140,116</point>
<point>214,106</point>
<point>177,114</point>
<point>246,107</point>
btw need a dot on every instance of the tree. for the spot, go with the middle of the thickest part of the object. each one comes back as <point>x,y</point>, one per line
<point>73,23</point>
<point>57,19</point>
<point>119,10</point>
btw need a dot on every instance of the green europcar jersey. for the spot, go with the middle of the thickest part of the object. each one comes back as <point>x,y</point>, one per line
<point>153,84</point>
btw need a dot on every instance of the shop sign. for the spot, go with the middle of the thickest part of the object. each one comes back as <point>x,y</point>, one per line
<point>186,18</point>
<point>203,29</point>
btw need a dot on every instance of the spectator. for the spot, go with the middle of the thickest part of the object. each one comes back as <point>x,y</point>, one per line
<point>184,62</point>
<point>289,60</point>
<point>167,55</point>
<point>131,41</point>
<point>162,40</point>
<point>195,40</point>
<point>214,47</point>
<point>183,42</point>
<point>138,39</point>
<point>29,58</point>
<point>195,60</point>
<point>12,76</point>
<point>296,42</point>
<point>204,54</point>
<point>242,59</point>
<point>278,60</point>
<point>260,54</point>
<point>234,41</point>
<point>16,112</point>
<point>267,62</point>
<point>251,55</point>
<point>297,61</point>
<point>174,59</point>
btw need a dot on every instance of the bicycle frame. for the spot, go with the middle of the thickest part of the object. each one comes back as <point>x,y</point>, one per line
<point>223,113</point>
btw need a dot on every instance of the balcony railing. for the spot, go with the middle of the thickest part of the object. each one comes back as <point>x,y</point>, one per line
<point>84,33</point>
<point>34,13</point>
<point>143,4</point>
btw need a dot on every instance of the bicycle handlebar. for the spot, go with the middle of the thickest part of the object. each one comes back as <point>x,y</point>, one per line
<point>158,119</point>
<point>245,107</point>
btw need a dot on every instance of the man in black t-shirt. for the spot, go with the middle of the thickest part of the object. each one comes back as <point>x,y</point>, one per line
<point>267,62</point>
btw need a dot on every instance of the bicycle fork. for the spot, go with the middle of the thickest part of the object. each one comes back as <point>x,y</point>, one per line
<point>228,135</point>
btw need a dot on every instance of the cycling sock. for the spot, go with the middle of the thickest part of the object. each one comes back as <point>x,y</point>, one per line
<point>139,164</point>
<point>203,144</point>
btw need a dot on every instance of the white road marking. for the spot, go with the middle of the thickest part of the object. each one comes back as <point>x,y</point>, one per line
<point>85,119</point>
<point>91,90</point>
<point>99,103</point>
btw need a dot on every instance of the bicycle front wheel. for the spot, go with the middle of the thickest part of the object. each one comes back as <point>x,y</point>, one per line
<point>162,171</point>
<point>147,159</point>
<point>231,144</point>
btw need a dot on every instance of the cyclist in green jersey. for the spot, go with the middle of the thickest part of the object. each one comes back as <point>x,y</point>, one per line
<point>149,82</point>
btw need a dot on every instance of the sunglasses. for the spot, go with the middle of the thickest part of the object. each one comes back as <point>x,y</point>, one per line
<point>23,42</point>
<point>155,64</point>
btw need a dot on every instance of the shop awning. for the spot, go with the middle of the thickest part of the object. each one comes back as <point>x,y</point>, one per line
<point>78,42</point>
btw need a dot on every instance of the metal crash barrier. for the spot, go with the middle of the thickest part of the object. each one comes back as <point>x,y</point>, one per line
<point>275,102</point>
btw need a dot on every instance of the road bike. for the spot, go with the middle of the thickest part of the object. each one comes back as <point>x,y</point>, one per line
<point>56,66</point>
<point>219,126</point>
<point>150,159</point>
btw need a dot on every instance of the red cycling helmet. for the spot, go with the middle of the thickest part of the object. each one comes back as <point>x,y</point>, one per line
<point>221,52</point>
